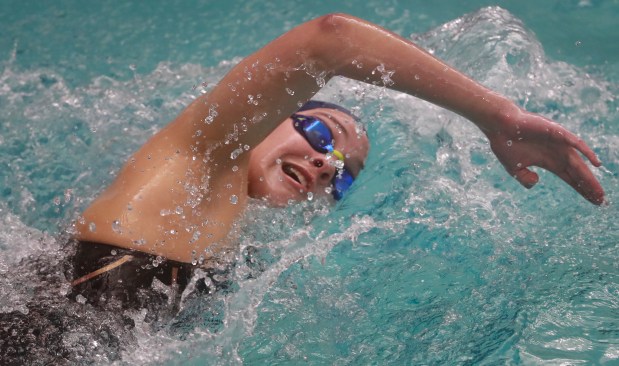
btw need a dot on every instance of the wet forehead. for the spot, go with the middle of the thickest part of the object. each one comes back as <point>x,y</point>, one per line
<point>349,138</point>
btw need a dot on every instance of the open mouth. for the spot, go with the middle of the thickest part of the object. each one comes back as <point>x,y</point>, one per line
<point>295,174</point>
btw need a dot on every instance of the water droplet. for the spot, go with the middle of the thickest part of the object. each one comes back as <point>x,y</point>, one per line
<point>417,77</point>
<point>235,168</point>
<point>116,226</point>
<point>234,199</point>
<point>310,196</point>
<point>235,154</point>
<point>129,207</point>
<point>92,227</point>
<point>278,161</point>
<point>519,165</point>
<point>195,237</point>
<point>67,195</point>
<point>509,142</point>
<point>289,91</point>
<point>139,242</point>
<point>179,210</point>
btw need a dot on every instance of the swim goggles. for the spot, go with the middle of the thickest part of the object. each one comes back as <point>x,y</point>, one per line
<point>320,138</point>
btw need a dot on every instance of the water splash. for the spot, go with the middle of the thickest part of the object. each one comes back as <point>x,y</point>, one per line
<point>432,232</point>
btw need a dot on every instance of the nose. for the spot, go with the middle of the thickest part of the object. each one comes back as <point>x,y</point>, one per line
<point>324,171</point>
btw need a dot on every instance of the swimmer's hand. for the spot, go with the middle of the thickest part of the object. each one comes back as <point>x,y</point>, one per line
<point>521,139</point>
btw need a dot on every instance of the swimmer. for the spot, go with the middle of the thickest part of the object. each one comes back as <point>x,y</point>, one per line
<point>175,200</point>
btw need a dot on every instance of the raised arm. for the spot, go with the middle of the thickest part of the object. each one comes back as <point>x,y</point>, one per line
<point>264,88</point>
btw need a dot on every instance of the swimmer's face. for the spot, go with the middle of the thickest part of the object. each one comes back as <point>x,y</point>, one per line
<point>285,167</point>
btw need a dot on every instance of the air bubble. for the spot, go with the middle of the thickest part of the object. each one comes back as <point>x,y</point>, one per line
<point>234,199</point>
<point>235,168</point>
<point>310,196</point>
<point>509,142</point>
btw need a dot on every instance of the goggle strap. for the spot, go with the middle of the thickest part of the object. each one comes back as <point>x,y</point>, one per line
<point>338,154</point>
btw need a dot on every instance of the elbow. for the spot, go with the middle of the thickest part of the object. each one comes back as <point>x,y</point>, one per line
<point>332,22</point>
<point>326,38</point>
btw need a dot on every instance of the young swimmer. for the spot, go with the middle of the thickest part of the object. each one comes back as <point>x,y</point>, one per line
<point>175,200</point>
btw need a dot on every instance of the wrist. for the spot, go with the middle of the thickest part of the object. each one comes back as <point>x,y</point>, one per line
<point>494,112</point>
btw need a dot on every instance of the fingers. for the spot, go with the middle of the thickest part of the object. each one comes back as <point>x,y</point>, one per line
<point>579,177</point>
<point>526,177</point>
<point>581,146</point>
<point>586,150</point>
<point>576,173</point>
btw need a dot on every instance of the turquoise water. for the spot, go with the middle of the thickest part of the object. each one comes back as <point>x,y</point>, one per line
<point>438,257</point>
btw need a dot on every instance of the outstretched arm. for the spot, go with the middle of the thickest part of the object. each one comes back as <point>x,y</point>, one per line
<point>267,86</point>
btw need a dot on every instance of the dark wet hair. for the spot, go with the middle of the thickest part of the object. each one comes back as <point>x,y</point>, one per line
<point>313,104</point>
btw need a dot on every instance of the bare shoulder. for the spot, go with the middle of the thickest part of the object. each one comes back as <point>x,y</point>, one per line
<point>173,197</point>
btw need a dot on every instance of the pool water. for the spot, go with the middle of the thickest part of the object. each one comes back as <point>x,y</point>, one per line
<point>437,256</point>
